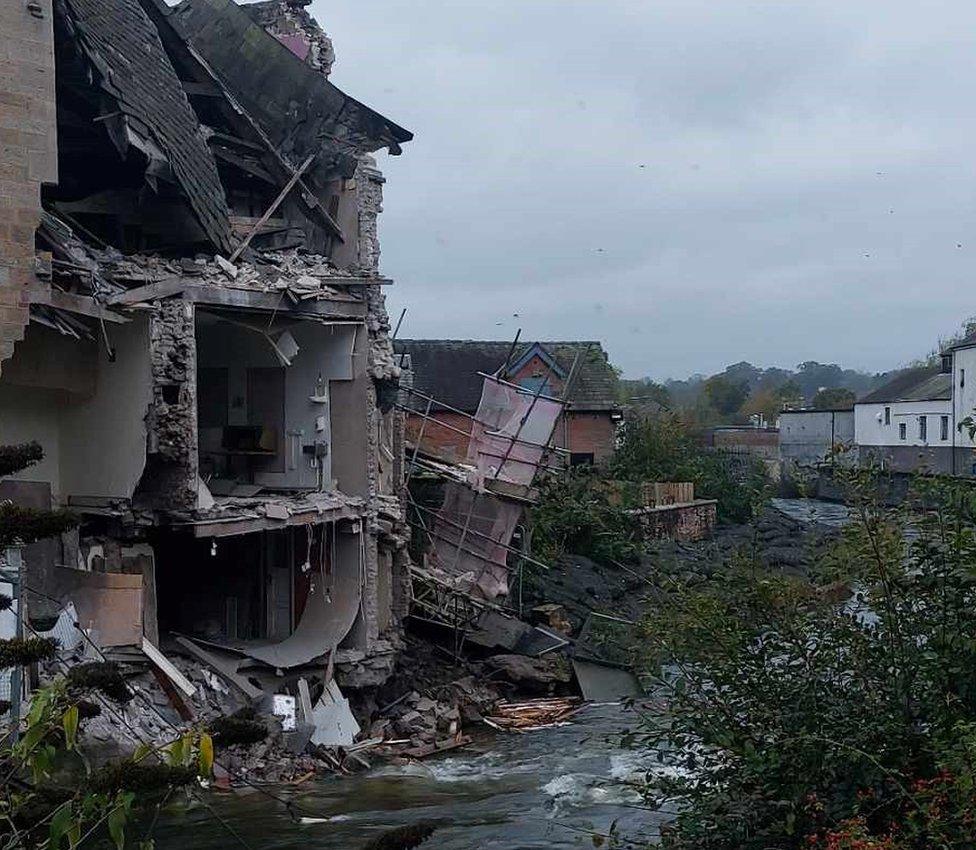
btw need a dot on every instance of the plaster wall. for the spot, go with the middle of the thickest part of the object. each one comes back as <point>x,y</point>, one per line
<point>28,414</point>
<point>103,438</point>
<point>807,436</point>
<point>323,350</point>
<point>870,428</point>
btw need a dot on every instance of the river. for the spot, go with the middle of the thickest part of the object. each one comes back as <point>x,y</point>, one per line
<point>546,789</point>
<point>551,789</point>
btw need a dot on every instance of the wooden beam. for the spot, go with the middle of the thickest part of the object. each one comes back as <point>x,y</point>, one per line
<point>151,291</point>
<point>83,305</point>
<point>270,211</point>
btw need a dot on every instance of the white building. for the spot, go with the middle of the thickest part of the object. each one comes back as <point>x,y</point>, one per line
<point>908,424</point>
<point>960,359</point>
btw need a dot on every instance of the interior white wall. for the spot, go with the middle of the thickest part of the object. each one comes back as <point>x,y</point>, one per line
<point>28,414</point>
<point>324,350</point>
<point>103,438</point>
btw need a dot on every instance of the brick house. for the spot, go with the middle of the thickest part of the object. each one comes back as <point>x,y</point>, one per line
<point>450,372</point>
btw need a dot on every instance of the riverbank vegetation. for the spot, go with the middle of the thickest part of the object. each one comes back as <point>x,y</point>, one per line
<point>587,511</point>
<point>829,712</point>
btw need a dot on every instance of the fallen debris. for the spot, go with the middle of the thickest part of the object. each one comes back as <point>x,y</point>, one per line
<point>534,714</point>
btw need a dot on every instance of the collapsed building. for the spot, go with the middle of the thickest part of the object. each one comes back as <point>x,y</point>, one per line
<point>192,325</point>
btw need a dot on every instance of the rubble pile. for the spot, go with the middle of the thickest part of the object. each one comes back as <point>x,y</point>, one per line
<point>150,716</point>
<point>581,585</point>
<point>297,271</point>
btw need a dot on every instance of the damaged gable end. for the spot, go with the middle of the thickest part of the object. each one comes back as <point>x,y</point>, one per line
<point>151,111</point>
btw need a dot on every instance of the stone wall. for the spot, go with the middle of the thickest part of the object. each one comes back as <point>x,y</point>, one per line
<point>28,151</point>
<point>679,522</point>
<point>297,30</point>
<point>170,478</point>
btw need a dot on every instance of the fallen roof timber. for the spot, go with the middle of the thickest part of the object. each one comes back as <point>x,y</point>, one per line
<point>83,305</point>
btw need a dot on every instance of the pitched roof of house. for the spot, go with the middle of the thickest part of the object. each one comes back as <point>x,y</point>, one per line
<point>927,383</point>
<point>123,45</point>
<point>447,369</point>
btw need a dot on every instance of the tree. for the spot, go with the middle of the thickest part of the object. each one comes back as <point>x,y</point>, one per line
<point>724,395</point>
<point>834,398</point>
<point>21,526</point>
<point>804,714</point>
<point>766,403</point>
<point>790,394</point>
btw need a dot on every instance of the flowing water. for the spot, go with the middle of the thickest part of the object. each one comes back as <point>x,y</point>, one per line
<point>546,789</point>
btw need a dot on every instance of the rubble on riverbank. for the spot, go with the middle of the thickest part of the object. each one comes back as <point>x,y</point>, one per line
<point>580,585</point>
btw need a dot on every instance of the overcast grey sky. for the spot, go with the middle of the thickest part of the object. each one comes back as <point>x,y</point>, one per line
<point>692,182</point>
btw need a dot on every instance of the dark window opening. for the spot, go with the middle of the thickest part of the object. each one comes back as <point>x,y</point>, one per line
<point>902,431</point>
<point>923,428</point>
<point>581,459</point>
<point>170,393</point>
<point>944,428</point>
<point>962,377</point>
<point>887,416</point>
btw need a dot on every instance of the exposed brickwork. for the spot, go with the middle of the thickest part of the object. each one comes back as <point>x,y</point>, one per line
<point>588,433</point>
<point>442,440</point>
<point>170,478</point>
<point>28,152</point>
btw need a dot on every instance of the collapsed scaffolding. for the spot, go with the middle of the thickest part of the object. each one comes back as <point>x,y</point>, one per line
<point>475,536</point>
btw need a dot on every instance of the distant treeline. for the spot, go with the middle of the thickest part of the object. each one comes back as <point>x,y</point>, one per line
<point>743,390</point>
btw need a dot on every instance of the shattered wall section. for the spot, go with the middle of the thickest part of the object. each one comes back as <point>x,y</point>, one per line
<point>28,156</point>
<point>297,30</point>
<point>170,478</point>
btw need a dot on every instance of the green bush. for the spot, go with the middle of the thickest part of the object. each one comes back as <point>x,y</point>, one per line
<point>574,516</point>
<point>806,715</point>
<point>662,449</point>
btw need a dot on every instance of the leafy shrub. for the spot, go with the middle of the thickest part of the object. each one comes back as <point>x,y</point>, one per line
<point>19,652</point>
<point>240,728</point>
<point>808,721</point>
<point>662,449</point>
<point>132,776</point>
<point>102,676</point>
<point>574,515</point>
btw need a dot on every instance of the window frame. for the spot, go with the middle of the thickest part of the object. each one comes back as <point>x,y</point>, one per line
<point>902,430</point>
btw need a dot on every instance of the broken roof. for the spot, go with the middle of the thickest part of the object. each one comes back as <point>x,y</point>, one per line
<point>447,369</point>
<point>298,108</point>
<point>124,47</point>
<point>926,383</point>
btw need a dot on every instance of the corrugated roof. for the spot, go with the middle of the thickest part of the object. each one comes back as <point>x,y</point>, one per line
<point>926,383</point>
<point>447,369</point>
<point>123,44</point>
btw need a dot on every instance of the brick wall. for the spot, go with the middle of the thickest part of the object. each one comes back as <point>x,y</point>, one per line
<point>579,432</point>
<point>438,439</point>
<point>587,433</point>
<point>679,522</point>
<point>28,151</point>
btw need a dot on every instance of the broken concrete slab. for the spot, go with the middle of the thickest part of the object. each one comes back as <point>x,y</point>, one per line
<point>224,666</point>
<point>335,725</point>
<point>599,683</point>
